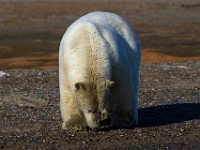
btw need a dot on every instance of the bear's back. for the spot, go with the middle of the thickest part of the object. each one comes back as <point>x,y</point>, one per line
<point>116,37</point>
<point>110,22</point>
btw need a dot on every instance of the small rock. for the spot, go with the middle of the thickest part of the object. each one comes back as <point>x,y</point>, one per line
<point>4,74</point>
<point>182,130</point>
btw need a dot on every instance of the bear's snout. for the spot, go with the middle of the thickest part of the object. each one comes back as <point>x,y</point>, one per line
<point>93,120</point>
<point>95,124</point>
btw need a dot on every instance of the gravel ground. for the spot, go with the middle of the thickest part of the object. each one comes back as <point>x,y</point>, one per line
<point>169,112</point>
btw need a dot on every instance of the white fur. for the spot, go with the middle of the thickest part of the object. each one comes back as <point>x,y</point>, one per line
<point>97,47</point>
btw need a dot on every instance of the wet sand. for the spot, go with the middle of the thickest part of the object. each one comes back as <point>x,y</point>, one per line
<point>30,31</point>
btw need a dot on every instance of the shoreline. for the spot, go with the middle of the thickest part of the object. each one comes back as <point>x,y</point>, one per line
<point>50,62</point>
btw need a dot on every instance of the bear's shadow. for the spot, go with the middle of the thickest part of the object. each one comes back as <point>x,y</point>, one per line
<point>166,114</point>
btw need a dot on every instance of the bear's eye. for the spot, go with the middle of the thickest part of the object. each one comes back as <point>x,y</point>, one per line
<point>91,111</point>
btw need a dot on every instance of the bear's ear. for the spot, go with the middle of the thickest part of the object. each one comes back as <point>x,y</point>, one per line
<point>108,84</point>
<point>79,86</point>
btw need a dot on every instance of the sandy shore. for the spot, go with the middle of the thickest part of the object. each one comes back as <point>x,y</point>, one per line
<point>30,30</point>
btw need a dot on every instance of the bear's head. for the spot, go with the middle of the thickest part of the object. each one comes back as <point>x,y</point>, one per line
<point>91,99</point>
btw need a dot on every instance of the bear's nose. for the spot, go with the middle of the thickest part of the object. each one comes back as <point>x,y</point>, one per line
<point>106,121</point>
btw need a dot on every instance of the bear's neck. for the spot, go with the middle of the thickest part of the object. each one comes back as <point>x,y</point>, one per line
<point>99,61</point>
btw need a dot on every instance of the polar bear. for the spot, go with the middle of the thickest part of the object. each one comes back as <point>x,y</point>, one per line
<point>99,61</point>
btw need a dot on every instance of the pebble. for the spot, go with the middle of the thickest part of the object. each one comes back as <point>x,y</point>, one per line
<point>4,74</point>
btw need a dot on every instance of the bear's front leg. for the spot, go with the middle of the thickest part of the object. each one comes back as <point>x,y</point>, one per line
<point>124,120</point>
<point>72,116</point>
<point>75,123</point>
<point>125,111</point>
